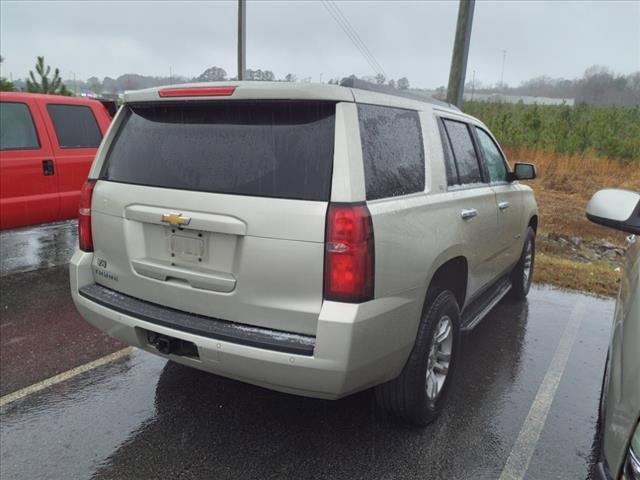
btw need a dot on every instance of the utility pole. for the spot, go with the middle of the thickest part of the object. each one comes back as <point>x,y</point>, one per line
<point>460,52</point>
<point>473,84</point>
<point>242,38</point>
<point>504,58</point>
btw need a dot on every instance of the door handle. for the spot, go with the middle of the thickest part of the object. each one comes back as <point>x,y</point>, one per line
<point>468,213</point>
<point>503,205</point>
<point>47,167</point>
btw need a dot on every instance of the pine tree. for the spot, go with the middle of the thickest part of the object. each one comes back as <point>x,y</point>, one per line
<point>52,86</point>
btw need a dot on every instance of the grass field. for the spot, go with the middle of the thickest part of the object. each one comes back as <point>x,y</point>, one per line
<point>563,188</point>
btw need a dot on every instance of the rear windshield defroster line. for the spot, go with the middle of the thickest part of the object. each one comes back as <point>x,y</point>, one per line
<point>280,149</point>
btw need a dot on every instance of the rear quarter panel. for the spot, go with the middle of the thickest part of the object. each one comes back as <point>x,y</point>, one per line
<point>411,241</point>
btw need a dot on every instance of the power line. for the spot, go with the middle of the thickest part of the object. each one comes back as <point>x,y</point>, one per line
<point>346,27</point>
<point>355,33</point>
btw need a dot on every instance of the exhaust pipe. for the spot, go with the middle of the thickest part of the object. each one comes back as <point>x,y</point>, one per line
<point>162,344</point>
<point>172,346</point>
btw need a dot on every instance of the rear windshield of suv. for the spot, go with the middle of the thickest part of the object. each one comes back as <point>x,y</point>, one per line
<point>268,149</point>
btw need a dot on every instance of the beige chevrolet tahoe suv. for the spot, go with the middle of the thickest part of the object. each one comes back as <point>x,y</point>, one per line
<point>313,239</point>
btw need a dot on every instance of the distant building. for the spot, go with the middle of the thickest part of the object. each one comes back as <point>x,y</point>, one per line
<point>527,100</point>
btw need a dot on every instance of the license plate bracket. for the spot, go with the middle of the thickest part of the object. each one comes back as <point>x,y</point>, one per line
<point>190,248</point>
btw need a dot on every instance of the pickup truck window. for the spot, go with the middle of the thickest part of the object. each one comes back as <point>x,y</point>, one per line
<point>75,126</point>
<point>492,157</point>
<point>18,131</point>
<point>392,151</point>
<point>464,152</point>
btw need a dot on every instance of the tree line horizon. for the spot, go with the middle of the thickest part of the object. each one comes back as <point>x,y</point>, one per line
<point>599,85</point>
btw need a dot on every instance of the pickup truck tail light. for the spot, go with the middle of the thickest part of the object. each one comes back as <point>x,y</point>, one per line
<point>85,238</point>
<point>349,253</point>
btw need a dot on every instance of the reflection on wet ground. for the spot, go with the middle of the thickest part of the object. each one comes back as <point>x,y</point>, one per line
<point>41,246</point>
<point>145,418</point>
<point>41,332</point>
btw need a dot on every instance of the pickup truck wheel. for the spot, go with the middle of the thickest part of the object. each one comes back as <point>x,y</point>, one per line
<point>418,394</point>
<point>522,273</point>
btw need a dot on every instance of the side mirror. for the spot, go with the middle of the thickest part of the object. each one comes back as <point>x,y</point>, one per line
<point>524,171</point>
<point>616,208</point>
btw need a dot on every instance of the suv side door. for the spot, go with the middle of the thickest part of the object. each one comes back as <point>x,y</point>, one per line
<point>471,202</point>
<point>75,136</point>
<point>29,187</point>
<point>508,199</point>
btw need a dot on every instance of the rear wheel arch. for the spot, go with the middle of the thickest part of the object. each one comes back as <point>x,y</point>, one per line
<point>451,275</point>
<point>533,223</point>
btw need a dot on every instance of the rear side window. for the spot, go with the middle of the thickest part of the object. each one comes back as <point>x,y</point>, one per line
<point>17,130</point>
<point>267,149</point>
<point>392,151</point>
<point>449,161</point>
<point>464,152</point>
<point>75,126</point>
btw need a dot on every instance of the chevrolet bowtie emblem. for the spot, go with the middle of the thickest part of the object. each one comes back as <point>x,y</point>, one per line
<point>175,219</point>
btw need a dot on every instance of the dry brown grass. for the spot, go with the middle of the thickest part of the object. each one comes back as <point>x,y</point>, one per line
<point>563,188</point>
<point>566,183</point>
<point>578,175</point>
<point>599,278</point>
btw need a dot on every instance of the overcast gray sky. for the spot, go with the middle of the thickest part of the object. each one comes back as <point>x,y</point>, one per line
<point>411,39</point>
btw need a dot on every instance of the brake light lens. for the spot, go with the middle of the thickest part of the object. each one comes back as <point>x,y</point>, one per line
<point>197,92</point>
<point>85,238</point>
<point>349,254</point>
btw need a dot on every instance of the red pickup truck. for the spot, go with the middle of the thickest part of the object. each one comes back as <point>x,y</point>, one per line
<point>47,144</point>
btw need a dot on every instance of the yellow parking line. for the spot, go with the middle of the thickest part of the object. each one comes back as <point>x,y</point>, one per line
<point>64,376</point>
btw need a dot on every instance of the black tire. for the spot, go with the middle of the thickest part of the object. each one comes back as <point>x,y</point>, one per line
<point>406,396</point>
<point>520,281</point>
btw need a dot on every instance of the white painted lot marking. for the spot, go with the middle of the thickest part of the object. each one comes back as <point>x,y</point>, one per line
<point>64,376</point>
<point>518,461</point>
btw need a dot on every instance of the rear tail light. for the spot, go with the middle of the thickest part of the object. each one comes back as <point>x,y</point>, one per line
<point>197,92</point>
<point>349,256</point>
<point>85,238</point>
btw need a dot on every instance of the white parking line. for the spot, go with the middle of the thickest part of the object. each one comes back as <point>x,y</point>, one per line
<point>518,461</point>
<point>36,387</point>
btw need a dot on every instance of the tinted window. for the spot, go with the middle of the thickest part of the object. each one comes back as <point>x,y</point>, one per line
<point>17,130</point>
<point>464,152</point>
<point>492,156</point>
<point>269,149</point>
<point>75,126</point>
<point>449,162</point>
<point>392,151</point>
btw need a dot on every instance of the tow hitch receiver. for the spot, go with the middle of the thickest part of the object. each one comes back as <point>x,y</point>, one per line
<point>172,346</point>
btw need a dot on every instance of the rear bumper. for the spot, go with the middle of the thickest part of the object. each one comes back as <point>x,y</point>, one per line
<point>197,324</point>
<point>356,345</point>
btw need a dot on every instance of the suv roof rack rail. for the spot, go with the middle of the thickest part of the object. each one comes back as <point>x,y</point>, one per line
<point>414,95</point>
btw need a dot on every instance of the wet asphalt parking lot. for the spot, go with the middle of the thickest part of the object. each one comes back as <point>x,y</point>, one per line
<point>523,403</point>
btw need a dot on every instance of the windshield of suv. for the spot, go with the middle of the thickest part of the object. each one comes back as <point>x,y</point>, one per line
<point>269,149</point>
